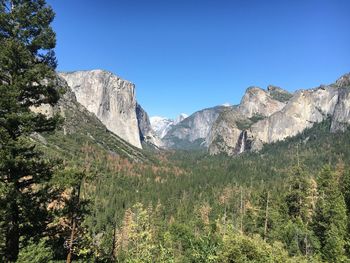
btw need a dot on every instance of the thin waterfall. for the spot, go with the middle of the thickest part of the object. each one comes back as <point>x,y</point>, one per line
<point>243,141</point>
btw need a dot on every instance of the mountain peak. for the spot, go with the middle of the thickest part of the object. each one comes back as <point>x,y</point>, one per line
<point>343,81</point>
<point>180,118</point>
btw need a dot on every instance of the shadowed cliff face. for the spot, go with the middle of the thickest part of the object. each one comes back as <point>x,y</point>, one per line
<point>267,119</point>
<point>110,98</point>
<point>192,132</point>
<point>147,134</point>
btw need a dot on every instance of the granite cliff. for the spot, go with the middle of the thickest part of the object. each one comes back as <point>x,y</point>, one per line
<point>263,116</point>
<point>192,132</point>
<point>110,98</point>
<point>273,115</point>
<point>80,128</point>
<point>147,134</point>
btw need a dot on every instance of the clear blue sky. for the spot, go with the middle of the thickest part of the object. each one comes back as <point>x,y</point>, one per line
<point>185,55</point>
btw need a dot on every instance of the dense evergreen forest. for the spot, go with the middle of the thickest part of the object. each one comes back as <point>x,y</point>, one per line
<point>72,199</point>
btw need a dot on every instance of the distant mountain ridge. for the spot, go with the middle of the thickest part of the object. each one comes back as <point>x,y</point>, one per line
<point>192,132</point>
<point>161,125</point>
<point>263,116</point>
<point>270,121</point>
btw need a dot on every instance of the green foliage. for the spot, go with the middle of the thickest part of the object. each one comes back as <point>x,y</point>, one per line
<point>137,242</point>
<point>178,207</point>
<point>281,96</point>
<point>298,197</point>
<point>239,248</point>
<point>330,221</point>
<point>299,239</point>
<point>27,80</point>
<point>35,253</point>
<point>247,123</point>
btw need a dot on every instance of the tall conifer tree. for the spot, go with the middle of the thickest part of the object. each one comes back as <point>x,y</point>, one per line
<point>330,221</point>
<point>27,80</point>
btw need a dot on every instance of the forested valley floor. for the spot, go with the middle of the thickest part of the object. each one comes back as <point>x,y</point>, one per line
<point>288,203</point>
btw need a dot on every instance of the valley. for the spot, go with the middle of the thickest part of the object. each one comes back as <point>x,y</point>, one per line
<point>87,175</point>
<point>189,193</point>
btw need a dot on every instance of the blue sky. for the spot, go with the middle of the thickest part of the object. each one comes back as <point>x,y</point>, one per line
<point>186,55</point>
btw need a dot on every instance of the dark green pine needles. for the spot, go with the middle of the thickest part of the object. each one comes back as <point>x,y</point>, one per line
<point>27,80</point>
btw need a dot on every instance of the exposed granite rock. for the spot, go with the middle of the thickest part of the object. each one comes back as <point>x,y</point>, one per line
<point>341,115</point>
<point>147,134</point>
<point>162,125</point>
<point>110,98</point>
<point>193,131</point>
<point>343,81</point>
<point>257,101</point>
<point>143,121</point>
<point>304,109</point>
<point>285,114</point>
<point>80,123</point>
<point>224,134</point>
<point>230,132</point>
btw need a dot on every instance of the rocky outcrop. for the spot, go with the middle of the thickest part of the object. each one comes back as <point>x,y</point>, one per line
<point>110,98</point>
<point>79,123</point>
<point>343,81</point>
<point>143,122</point>
<point>224,134</point>
<point>279,94</point>
<point>229,133</point>
<point>162,125</point>
<point>147,134</point>
<point>304,109</point>
<point>341,115</point>
<point>193,131</point>
<point>273,115</point>
<point>257,101</point>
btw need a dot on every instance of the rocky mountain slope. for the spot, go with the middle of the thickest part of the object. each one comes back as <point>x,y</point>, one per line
<point>162,125</point>
<point>192,132</point>
<point>262,117</point>
<point>110,98</point>
<point>79,129</point>
<point>147,134</point>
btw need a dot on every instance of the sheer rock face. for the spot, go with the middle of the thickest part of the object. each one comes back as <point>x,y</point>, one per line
<point>193,130</point>
<point>226,133</point>
<point>279,118</point>
<point>146,132</point>
<point>110,98</point>
<point>257,101</point>
<point>343,81</point>
<point>304,109</point>
<point>162,125</point>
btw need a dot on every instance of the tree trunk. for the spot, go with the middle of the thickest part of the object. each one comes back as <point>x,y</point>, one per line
<point>73,224</point>
<point>12,234</point>
<point>241,212</point>
<point>70,248</point>
<point>266,215</point>
<point>113,242</point>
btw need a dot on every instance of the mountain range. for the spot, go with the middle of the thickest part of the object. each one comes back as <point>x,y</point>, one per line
<point>263,115</point>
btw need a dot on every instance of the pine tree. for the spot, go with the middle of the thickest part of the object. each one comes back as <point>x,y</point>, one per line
<point>27,80</point>
<point>330,221</point>
<point>74,209</point>
<point>345,189</point>
<point>297,197</point>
